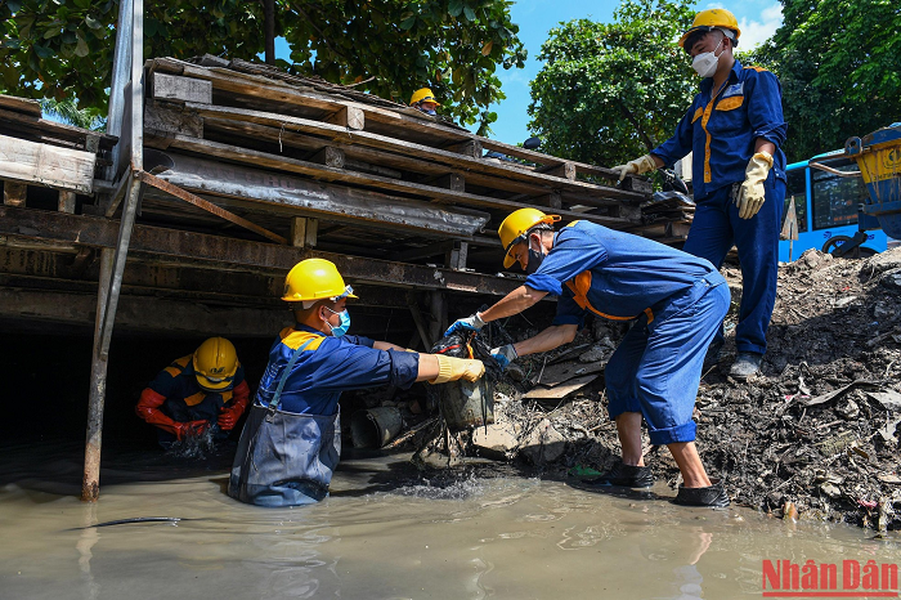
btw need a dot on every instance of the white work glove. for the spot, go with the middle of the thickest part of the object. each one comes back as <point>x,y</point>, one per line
<point>639,166</point>
<point>469,324</point>
<point>504,355</point>
<point>751,194</point>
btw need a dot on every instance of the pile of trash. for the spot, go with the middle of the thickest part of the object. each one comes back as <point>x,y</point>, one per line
<point>814,436</point>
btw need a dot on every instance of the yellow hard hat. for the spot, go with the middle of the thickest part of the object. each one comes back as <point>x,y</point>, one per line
<point>315,279</point>
<point>423,95</point>
<point>215,364</point>
<point>710,18</point>
<point>516,225</point>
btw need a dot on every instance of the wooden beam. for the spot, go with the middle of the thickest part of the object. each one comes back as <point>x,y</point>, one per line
<point>14,193</point>
<point>332,201</point>
<point>235,254</point>
<point>266,160</point>
<point>199,202</point>
<point>60,168</point>
<point>464,162</point>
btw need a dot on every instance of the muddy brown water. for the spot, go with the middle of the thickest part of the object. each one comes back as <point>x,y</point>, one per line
<point>380,535</point>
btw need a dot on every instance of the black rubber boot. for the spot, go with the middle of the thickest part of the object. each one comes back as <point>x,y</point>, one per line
<point>745,365</point>
<point>714,496</point>
<point>624,476</point>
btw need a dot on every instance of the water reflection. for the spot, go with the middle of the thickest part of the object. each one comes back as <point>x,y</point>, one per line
<point>507,537</point>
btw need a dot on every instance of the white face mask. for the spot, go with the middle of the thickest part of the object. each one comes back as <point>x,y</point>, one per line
<point>705,63</point>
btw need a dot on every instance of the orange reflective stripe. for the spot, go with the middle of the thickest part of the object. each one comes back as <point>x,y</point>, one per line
<point>580,285</point>
<point>195,399</point>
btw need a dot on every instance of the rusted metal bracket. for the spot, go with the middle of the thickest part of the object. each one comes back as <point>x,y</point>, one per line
<point>199,202</point>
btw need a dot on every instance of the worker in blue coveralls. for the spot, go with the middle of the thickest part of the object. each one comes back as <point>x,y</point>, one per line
<point>735,129</point>
<point>291,442</point>
<point>677,300</point>
<point>202,391</point>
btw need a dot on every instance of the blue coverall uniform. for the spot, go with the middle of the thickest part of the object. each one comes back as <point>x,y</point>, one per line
<point>722,131</point>
<point>175,395</point>
<point>291,442</point>
<point>678,299</point>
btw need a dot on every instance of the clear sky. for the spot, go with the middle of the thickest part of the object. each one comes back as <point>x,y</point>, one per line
<point>757,19</point>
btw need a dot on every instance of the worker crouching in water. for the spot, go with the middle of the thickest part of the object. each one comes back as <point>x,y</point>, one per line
<point>678,301</point>
<point>291,442</point>
<point>195,393</point>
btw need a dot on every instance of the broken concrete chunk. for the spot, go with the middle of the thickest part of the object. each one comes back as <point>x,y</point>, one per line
<point>848,410</point>
<point>496,441</point>
<point>831,490</point>
<point>544,444</point>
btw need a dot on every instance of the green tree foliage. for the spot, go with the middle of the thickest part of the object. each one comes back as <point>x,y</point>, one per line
<point>64,48</point>
<point>611,92</point>
<point>838,63</point>
<point>67,111</point>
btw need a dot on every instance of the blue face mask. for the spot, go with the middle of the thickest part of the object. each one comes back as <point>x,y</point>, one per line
<point>344,324</point>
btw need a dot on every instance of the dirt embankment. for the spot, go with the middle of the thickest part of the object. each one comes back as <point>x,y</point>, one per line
<point>813,436</point>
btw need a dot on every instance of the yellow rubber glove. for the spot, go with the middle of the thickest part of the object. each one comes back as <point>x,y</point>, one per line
<point>452,369</point>
<point>639,166</point>
<point>752,194</point>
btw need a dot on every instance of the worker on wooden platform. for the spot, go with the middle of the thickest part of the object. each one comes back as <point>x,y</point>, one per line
<point>676,300</point>
<point>291,442</point>
<point>735,129</point>
<point>196,392</point>
<point>424,100</point>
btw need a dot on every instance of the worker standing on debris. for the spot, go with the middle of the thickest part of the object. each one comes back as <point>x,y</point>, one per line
<point>424,100</point>
<point>292,439</point>
<point>735,129</point>
<point>196,392</point>
<point>678,300</point>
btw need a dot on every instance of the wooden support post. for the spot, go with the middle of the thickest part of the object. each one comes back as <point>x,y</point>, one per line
<point>553,200</point>
<point>304,232</point>
<point>14,193</point>
<point>330,157</point>
<point>419,321</point>
<point>566,170</point>
<point>438,309</point>
<point>66,202</point>
<point>452,181</point>
<point>471,148</point>
<point>351,117</point>
<point>456,257</point>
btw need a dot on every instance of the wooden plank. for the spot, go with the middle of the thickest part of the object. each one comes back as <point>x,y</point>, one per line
<point>186,89</point>
<point>560,391</point>
<point>262,159</point>
<point>236,254</point>
<point>456,258</point>
<point>37,129</point>
<point>453,159</point>
<point>52,166</point>
<point>26,106</point>
<point>355,153</point>
<point>14,193</point>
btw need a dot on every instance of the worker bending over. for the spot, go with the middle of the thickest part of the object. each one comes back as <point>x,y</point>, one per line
<point>735,129</point>
<point>291,442</point>
<point>196,392</point>
<point>677,301</point>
